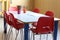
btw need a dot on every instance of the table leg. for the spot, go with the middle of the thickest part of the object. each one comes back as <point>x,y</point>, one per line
<point>26,28</point>
<point>5,26</point>
<point>55,30</point>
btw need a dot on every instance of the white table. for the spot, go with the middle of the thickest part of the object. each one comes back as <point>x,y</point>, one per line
<point>33,17</point>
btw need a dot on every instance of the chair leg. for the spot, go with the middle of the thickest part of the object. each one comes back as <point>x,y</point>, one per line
<point>47,37</point>
<point>40,36</point>
<point>52,36</point>
<point>9,32</point>
<point>17,35</point>
<point>33,36</point>
<point>29,35</point>
<point>21,34</point>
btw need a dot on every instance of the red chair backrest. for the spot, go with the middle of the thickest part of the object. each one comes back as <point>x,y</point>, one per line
<point>45,25</point>
<point>12,19</point>
<point>36,10</point>
<point>13,9</point>
<point>6,16</point>
<point>15,23</point>
<point>49,13</point>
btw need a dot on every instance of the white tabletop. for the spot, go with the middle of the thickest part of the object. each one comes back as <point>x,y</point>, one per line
<point>30,16</point>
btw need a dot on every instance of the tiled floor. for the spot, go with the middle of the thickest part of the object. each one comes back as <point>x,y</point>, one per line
<point>12,36</point>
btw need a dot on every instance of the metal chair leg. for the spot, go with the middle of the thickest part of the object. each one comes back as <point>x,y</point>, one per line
<point>21,34</point>
<point>40,36</point>
<point>52,36</point>
<point>17,35</point>
<point>9,32</point>
<point>33,36</point>
<point>47,37</point>
<point>29,35</point>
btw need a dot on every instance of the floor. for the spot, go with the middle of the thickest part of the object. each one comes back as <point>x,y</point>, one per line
<point>13,34</point>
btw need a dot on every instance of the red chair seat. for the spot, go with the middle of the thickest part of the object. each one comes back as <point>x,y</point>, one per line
<point>19,26</point>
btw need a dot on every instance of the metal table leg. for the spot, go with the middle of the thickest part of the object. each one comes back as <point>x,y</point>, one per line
<point>26,28</point>
<point>55,30</point>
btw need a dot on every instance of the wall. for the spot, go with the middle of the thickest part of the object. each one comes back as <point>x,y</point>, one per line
<point>1,12</point>
<point>45,5</point>
<point>27,3</point>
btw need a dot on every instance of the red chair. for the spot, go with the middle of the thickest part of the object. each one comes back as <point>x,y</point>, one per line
<point>17,25</point>
<point>13,9</point>
<point>45,25</point>
<point>6,16</point>
<point>49,13</point>
<point>36,10</point>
